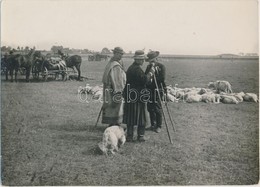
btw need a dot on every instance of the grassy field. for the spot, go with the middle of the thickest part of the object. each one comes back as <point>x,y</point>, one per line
<point>49,138</point>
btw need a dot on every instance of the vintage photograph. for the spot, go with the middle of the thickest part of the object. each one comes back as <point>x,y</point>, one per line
<point>129,93</point>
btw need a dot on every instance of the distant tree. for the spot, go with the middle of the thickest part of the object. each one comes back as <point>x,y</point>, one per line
<point>105,50</point>
<point>26,49</point>
<point>55,49</point>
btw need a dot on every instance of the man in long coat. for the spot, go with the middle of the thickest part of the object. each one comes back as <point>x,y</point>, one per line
<point>114,80</point>
<point>136,97</point>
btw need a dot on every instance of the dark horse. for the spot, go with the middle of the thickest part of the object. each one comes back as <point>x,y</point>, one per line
<point>72,61</point>
<point>14,62</point>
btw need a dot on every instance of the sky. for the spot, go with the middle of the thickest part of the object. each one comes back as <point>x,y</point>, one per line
<point>190,27</point>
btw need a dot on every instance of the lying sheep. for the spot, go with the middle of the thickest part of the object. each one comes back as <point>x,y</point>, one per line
<point>239,96</point>
<point>193,98</point>
<point>210,98</point>
<point>171,98</point>
<point>228,99</point>
<point>98,95</point>
<point>85,89</point>
<point>250,97</point>
<point>221,86</point>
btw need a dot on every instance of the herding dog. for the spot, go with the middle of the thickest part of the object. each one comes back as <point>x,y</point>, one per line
<point>113,138</point>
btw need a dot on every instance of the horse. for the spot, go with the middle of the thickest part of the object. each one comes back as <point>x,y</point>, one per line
<point>72,61</point>
<point>14,62</point>
<point>37,65</point>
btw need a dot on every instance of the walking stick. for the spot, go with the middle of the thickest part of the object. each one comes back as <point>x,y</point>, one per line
<point>162,109</point>
<point>169,112</point>
<point>99,115</point>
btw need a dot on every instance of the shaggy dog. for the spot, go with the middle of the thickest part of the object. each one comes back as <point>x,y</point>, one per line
<point>221,86</point>
<point>113,138</point>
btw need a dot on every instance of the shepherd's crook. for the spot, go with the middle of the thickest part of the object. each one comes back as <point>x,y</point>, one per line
<point>99,115</point>
<point>162,109</point>
<point>169,112</point>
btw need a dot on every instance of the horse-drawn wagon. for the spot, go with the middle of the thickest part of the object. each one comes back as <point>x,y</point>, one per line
<point>51,66</point>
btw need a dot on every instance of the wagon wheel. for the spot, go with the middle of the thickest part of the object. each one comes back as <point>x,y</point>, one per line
<point>45,73</point>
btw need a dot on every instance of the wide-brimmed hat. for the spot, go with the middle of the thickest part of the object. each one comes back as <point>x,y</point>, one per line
<point>118,50</point>
<point>152,55</point>
<point>139,54</point>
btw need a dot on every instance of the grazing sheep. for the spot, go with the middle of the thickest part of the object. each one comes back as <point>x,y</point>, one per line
<point>228,99</point>
<point>251,97</point>
<point>220,86</point>
<point>113,138</point>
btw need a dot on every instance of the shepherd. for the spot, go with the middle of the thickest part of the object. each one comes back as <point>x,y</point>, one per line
<point>114,80</point>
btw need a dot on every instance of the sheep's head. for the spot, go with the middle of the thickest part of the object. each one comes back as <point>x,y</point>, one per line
<point>211,85</point>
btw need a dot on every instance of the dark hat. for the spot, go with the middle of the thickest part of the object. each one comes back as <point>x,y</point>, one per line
<point>118,50</point>
<point>139,54</point>
<point>152,55</point>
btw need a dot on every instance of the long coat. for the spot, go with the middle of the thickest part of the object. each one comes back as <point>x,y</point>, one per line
<point>114,79</point>
<point>135,104</point>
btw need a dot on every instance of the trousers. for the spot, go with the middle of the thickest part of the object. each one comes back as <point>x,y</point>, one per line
<point>155,111</point>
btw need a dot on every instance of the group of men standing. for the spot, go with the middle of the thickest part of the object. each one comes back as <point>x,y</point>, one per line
<point>127,95</point>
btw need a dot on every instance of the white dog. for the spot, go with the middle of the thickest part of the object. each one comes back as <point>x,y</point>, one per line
<point>113,138</point>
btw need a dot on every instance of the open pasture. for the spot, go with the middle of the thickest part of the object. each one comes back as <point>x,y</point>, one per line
<point>49,138</point>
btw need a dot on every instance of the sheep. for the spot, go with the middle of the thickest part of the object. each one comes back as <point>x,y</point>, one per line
<point>85,89</point>
<point>251,97</point>
<point>239,96</point>
<point>210,97</point>
<point>228,99</point>
<point>98,95</point>
<point>171,98</point>
<point>193,98</point>
<point>221,86</point>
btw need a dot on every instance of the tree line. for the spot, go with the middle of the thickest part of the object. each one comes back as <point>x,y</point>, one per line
<point>54,49</point>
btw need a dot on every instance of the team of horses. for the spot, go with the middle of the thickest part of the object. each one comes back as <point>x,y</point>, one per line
<point>36,62</point>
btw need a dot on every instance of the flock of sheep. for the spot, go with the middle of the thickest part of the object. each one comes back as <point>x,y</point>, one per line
<point>217,92</point>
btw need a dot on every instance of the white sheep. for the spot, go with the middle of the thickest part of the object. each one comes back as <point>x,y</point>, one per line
<point>171,98</point>
<point>239,96</point>
<point>228,99</point>
<point>251,97</point>
<point>210,98</point>
<point>193,98</point>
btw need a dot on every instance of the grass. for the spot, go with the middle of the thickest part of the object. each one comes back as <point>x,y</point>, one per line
<point>49,138</point>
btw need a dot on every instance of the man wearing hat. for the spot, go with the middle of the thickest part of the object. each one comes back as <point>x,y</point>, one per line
<point>154,106</point>
<point>135,103</point>
<point>114,79</point>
